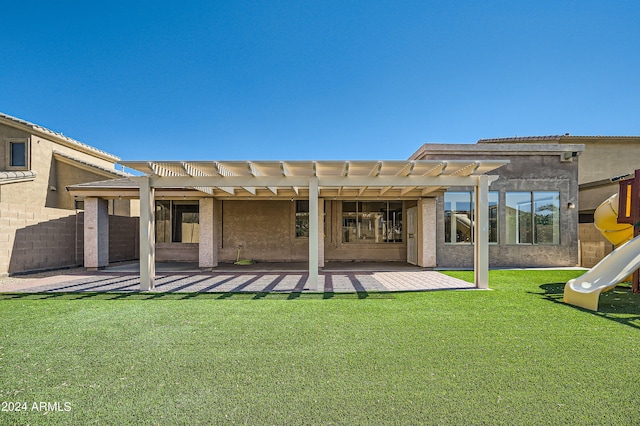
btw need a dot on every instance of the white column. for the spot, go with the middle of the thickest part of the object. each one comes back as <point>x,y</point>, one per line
<point>147,235</point>
<point>313,281</point>
<point>96,233</point>
<point>481,228</point>
<point>207,244</point>
<point>321,232</point>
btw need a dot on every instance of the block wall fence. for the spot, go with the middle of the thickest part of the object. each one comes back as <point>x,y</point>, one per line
<point>33,239</point>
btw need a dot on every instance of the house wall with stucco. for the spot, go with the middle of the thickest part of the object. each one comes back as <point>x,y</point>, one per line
<point>531,168</point>
<point>41,225</point>
<point>603,158</point>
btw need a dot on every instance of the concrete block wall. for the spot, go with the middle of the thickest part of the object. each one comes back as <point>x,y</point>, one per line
<point>593,246</point>
<point>34,239</point>
<point>263,231</point>
<point>124,237</point>
<point>38,238</point>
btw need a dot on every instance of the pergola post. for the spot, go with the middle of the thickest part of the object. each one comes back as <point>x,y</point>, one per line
<point>321,232</point>
<point>481,237</point>
<point>96,233</point>
<point>147,234</point>
<point>427,233</point>
<point>313,281</point>
<point>208,243</point>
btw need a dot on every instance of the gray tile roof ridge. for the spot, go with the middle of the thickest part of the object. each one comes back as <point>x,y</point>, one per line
<point>86,163</point>
<point>124,182</point>
<point>552,137</point>
<point>57,135</point>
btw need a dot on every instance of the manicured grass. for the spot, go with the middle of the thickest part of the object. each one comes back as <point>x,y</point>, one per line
<point>514,355</point>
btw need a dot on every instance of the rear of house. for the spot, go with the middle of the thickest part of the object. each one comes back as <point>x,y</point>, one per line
<point>532,206</point>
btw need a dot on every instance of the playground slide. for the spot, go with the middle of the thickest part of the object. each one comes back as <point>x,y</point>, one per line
<point>585,290</point>
<point>606,221</point>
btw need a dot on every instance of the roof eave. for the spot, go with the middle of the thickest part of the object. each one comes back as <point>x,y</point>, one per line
<point>56,137</point>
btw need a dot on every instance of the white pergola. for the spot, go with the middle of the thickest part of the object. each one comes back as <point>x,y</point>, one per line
<point>312,180</point>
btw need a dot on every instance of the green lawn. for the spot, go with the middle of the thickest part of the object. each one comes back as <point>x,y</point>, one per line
<point>514,355</point>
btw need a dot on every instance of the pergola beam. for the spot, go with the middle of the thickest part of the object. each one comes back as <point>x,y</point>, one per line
<point>299,181</point>
<point>285,172</point>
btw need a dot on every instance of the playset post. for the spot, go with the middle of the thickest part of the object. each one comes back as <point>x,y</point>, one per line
<point>629,212</point>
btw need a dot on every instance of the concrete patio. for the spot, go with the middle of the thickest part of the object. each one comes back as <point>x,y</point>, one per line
<point>257,278</point>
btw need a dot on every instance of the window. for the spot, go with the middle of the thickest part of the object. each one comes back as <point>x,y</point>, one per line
<point>177,222</point>
<point>302,218</point>
<point>533,217</point>
<point>372,221</point>
<point>18,154</point>
<point>458,217</point>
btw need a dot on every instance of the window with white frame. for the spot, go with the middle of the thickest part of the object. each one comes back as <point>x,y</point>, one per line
<point>458,217</point>
<point>533,217</point>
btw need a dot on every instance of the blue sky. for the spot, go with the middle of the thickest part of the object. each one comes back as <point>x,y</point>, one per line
<point>223,80</point>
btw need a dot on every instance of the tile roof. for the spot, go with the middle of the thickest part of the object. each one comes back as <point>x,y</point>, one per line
<point>554,138</point>
<point>522,139</point>
<point>91,165</point>
<point>59,137</point>
<point>122,183</point>
<point>16,176</point>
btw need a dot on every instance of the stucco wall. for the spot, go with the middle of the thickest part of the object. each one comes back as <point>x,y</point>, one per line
<point>592,197</point>
<point>50,172</point>
<point>537,171</point>
<point>606,157</point>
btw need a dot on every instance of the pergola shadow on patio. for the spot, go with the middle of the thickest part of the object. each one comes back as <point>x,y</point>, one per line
<point>258,278</point>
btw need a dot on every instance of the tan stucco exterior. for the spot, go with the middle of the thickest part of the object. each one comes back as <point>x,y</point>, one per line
<point>40,227</point>
<point>605,157</point>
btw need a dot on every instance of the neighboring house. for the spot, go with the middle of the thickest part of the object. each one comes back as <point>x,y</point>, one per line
<point>604,158</point>
<point>40,222</point>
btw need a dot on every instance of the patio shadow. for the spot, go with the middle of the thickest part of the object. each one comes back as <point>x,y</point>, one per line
<point>255,296</point>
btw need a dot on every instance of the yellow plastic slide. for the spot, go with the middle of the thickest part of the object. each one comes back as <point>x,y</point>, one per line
<point>606,221</point>
<point>585,290</point>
